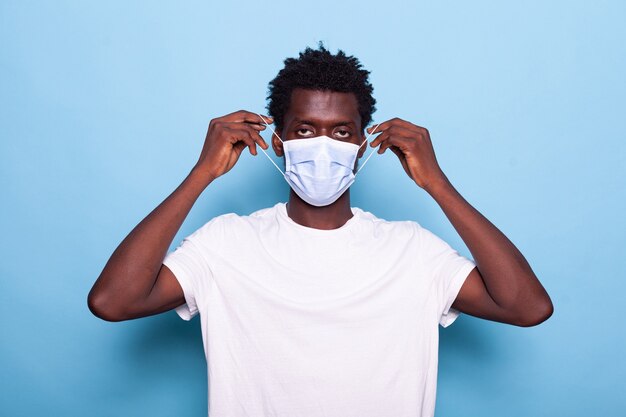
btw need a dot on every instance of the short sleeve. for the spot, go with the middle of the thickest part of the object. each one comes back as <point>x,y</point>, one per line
<point>449,270</point>
<point>190,263</point>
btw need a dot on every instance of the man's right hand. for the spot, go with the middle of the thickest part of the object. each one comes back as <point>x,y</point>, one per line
<point>226,138</point>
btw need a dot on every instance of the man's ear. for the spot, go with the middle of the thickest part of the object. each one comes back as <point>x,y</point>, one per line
<point>277,144</point>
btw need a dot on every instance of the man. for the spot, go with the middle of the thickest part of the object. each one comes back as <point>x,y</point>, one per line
<point>314,307</point>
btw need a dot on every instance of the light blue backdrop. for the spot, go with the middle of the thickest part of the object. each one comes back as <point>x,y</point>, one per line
<point>103,111</point>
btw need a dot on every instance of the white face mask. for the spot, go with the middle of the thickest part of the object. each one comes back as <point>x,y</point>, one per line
<point>319,169</point>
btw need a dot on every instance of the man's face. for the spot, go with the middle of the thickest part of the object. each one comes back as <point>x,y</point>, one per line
<point>314,113</point>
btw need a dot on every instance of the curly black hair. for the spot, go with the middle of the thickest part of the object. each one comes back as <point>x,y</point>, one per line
<point>318,69</point>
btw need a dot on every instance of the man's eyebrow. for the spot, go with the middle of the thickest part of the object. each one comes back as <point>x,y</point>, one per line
<point>304,121</point>
<point>340,123</point>
<point>345,123</point>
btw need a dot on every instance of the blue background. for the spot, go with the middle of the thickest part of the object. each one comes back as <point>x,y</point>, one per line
<point>103,112</point>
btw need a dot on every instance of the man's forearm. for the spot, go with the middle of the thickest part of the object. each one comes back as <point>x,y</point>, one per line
<point>131,271</point>
<point>507,275</point>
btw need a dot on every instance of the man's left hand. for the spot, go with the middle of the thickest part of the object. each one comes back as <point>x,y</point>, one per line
<point>413,147</point>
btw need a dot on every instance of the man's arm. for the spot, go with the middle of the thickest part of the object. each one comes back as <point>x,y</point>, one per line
<point>135,283</point>
<point>503,287</point>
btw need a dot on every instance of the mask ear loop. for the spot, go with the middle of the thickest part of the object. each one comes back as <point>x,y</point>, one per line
<point>268,157</point>
<point>371,153</point>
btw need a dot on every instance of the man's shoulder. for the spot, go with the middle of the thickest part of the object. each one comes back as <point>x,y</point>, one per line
<point>402,230</point>
<point>232,219</point>
<point>397,231</point>
<point>368,216</point>
<point>228,226</point>
<point>265,212</point>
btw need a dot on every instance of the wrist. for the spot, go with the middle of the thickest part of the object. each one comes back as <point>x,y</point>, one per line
<point>439,186</point>
<point>199,177</point>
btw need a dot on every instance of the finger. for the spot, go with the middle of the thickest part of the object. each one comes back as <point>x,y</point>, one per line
<point>242,135</point>
<point>257,127</point>
<point>403,144</point>
<point>386,144</point>
<point>395,131</point>
<point>381,127</point>
<point>373,129</point>
<point>252,130</point>
<point>376,141</point>
<point>381,148</point>
<point>396,121</point>
<point>387,140</point>
<point>254,134</point>
<point>244,116</point>
<point>266,120</point>
<point>379,139</point>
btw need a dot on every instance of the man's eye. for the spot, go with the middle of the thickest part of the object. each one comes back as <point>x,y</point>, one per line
<point>342,134</point>
<point>304,132</point>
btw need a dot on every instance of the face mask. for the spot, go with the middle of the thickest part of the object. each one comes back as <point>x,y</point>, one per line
<point>319,169</point>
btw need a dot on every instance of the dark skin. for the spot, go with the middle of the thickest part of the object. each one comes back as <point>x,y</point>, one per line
<point>135,283</point>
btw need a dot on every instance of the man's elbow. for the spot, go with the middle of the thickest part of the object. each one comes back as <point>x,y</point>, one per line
<point>536,315</point>
<point>101,307</point>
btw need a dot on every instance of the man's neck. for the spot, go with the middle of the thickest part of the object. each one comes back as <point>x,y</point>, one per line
<point>329,217</point>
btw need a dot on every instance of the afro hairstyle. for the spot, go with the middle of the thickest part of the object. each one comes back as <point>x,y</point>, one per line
<point>318,69</point>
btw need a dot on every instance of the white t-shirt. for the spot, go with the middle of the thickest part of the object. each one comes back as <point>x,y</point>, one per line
<point>303,322</point>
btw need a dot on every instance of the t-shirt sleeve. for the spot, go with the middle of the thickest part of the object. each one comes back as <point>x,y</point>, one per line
<point>190,263</point>
<point>449,269</point>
